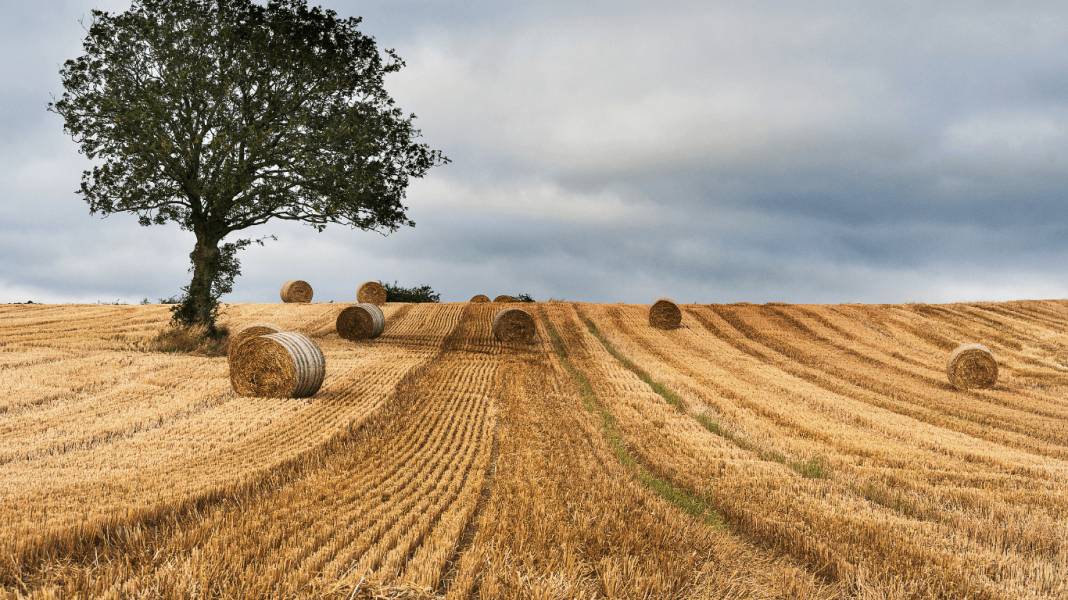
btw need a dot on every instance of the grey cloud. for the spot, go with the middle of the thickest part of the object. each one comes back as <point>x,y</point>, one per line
<point>831,151</point>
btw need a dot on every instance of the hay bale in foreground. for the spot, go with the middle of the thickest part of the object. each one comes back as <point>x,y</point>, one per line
<point>278,365</point>
<point>371,292</point>
<point>479,298</point>
<point>247,333</point>
<point>665,314</point>
<point>361,322</point>
<point>296,291</point>
<point>514,326</point>
<point>505,298</point>
<point>972,366</point>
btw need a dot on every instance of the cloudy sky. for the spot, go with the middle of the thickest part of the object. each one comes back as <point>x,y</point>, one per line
<point>620,151</point>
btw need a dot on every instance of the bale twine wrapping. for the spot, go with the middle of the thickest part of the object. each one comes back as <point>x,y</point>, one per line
<point>371,292</point>
<point>514,326</point>
<point>361,322</point>
<point>479,298</point>
<point>296,291</point>
<point>248,332</point>
<point>665,314</point>
<point>505,298</point>
<point>278,365</point>
<point>972,366</point>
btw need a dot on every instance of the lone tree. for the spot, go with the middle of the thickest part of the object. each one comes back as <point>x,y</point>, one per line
<point>220,115</point>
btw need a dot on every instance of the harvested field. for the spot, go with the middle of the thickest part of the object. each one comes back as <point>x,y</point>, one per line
<point>756,451</point>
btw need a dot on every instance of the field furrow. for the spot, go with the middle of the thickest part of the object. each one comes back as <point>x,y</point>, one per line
<point>567,519</point>
<point>830,504</point>
<point>363,505</point>
<point>227,447</point>
<point>768,451</point>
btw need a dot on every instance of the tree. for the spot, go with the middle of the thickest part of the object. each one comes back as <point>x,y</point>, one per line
<point>220,115</point>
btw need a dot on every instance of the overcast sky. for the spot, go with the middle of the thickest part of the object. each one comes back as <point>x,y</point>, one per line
<point>622,151</point>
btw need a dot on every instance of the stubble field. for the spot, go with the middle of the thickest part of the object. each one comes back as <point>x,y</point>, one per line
<point>758,451</point>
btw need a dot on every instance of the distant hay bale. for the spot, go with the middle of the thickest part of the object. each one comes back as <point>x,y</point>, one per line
<point>371,292</point>
<point>296,291</point>
<point>972,366</point>
<point>479,298</point>
<point>665,314</point>
<point>505,298</point>
<point>514,326</point>
<point>277,365</point>
<point>248,332</point>
<point>363,321</point>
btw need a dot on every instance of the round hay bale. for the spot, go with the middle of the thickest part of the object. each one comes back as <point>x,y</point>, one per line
<point>277,365</point>
<point>514,326</point>
<point>248,332</point>
<point>665,314</point>
<point>505,298</point>
<point>479,298</point>
<point>361,322</point>
<point>972,366</point>
<point>371,292</point>
<point>296,291</point>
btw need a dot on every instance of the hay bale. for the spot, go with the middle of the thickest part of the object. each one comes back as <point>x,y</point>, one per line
<point>665,314</point>
<point>514,326</point>
<point>296,291</point>
<point>371,292</point>
<point>278,365</point>
<point>248,332</point>
<point>361,322</point>
<point>505,298</point>
<point>972,366</point>
<point>479,298</point>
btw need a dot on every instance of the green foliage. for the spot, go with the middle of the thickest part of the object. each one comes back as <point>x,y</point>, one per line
<point>219,115</point>
<point>816,467</point>
<point>222,267</point>
<point>422,293</point>
<point>710,424</point>
<point>524,298</point>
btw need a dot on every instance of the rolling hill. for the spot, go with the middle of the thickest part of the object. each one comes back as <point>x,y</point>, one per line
<point>757,451</point>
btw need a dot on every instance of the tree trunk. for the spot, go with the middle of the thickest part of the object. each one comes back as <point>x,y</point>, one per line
<point>198,307</point>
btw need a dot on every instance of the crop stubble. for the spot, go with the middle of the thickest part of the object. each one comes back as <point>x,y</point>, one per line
<point>437,462</point>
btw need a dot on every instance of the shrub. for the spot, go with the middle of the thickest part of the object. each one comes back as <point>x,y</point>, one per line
<point>422,293</point>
